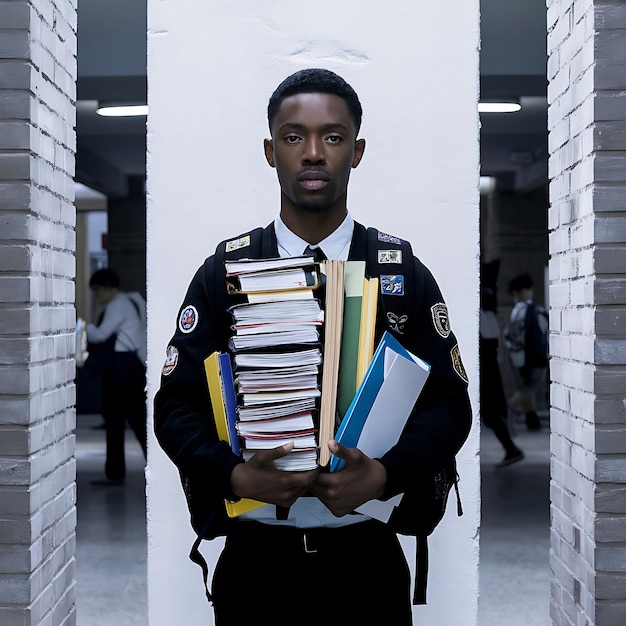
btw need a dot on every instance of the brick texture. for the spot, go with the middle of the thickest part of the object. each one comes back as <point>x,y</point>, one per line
<point>587,287</point>
<point>37,317</point>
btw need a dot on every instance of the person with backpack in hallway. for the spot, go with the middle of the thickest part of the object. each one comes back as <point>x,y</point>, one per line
<point>117,352</point>
<point>279,560</point>
<point>526,339</point>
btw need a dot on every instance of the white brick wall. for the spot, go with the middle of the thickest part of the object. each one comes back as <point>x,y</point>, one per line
<point>37,316</point>
<point>587,269</point>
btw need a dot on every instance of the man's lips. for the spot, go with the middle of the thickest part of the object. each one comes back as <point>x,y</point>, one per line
<point>312,180</point>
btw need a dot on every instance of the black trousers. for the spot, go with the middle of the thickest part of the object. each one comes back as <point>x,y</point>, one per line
<point>280,575</point>
<point>123,399</point>
<point>493,406</point>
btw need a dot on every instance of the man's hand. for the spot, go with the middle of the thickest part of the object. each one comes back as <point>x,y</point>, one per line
<point>259,479</point>
<point>362,479</point>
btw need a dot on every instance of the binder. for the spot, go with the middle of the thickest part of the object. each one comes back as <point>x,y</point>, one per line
<point>384,400</point>
<point>380,409</point>
<point>298,278</point>
<point>224,403</point>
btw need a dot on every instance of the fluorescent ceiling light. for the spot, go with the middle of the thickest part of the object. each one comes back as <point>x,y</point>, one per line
<point>83,192</point>
<point>498,107</point>
<point>123,111</point>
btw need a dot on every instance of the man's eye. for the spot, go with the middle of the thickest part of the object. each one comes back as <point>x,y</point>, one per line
<point>334,139</point>
<point>292,139</point>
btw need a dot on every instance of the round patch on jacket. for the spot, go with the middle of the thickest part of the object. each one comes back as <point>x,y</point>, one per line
<point>171,360</point>
<point>457,364</point>
<point>188,319</point>
<point>439,312</point>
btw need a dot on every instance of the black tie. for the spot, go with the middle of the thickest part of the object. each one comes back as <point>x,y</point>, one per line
<point>318,253</point>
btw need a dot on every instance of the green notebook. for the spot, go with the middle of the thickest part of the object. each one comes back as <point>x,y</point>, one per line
<point>353,285</point>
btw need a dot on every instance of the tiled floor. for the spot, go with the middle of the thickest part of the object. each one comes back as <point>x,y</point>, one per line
<point>111,534</point>
<point>515,533</point>
<point>514,566</point>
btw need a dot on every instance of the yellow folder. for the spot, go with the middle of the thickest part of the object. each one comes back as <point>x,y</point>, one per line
<point>224,403</point>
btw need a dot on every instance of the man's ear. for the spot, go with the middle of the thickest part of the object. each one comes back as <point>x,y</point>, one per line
<point>268,147</point>
<point>359,149</point>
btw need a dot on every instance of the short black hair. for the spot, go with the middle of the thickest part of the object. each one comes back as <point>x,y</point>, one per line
<point>519,282</point>
<point>316,80</point>
<point>104,277</point>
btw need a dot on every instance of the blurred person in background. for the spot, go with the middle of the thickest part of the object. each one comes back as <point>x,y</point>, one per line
<point>117,352</point>
<point>526,340</point>
<point>493,406</point>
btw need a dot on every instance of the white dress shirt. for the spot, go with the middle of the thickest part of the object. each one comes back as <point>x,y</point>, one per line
<point>121,316</point>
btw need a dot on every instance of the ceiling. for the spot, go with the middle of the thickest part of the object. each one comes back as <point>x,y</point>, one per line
<point>112,68</point>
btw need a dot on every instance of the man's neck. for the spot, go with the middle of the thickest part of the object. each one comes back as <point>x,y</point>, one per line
<point>312,226</point>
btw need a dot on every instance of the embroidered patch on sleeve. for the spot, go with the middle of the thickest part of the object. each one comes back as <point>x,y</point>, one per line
<point>392,284</point>
<point>188,319</point>
<point>390,256</point>
<point>236,244</point>
<point>171,360</point>
<point>441,322</point>
<point>397,322</point>
<point>384,237</point>
<point>457,364</point>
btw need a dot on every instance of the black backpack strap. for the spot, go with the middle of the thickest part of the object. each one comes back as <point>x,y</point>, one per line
<point>391,259</point>
<point>256,244</point>
<point>421,569</point>
<point>196,557</point>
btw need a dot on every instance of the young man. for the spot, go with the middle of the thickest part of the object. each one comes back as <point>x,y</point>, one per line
<point>318,561</point>
<point>123,324</point>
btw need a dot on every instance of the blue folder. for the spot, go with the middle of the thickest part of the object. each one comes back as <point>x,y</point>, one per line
<point>392,418</point>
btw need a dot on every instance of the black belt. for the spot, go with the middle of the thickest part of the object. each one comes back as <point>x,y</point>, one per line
<point>309,540</point>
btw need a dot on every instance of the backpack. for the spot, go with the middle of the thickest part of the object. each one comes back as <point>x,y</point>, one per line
<point>421,509</point>
<point>536,344</point>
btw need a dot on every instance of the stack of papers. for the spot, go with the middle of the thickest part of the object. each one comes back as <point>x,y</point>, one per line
<point>277,356</point>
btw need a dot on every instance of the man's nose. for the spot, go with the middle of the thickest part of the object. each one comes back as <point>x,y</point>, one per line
<point>313,151</point>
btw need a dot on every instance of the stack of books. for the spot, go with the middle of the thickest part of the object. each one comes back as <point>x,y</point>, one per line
<point>276,356</point>
<point>299,370</point>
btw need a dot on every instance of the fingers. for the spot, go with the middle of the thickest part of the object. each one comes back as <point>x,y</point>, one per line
<point>283,450</point>
<point>267,457</point>
<point>349,455</point>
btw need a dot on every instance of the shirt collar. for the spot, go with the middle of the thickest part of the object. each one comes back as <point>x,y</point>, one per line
<point>335,246</point>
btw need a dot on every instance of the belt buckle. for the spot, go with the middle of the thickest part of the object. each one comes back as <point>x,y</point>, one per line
<point>309,549</point>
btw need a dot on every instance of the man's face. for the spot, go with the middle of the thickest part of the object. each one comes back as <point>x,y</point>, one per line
<point>103,294</point>
<point>313,148</point>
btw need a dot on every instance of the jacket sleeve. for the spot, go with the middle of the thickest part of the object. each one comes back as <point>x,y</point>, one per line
<point>183,419</point>
<point>442,417</point>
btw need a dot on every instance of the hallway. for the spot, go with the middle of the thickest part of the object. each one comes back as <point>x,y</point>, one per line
<point>515,534</point>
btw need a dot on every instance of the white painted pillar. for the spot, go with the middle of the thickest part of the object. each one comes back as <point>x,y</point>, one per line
<point>211,69</point>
